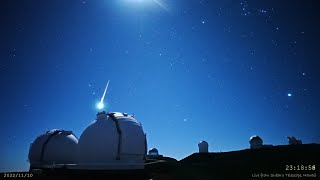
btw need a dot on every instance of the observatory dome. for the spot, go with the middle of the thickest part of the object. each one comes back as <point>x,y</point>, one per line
<point>112,141</point>
<point>153,152</point>
<point>255,142</point>
<point>203,147</point>
<point>53,147</point>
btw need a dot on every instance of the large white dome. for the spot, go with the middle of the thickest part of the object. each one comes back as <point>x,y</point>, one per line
<point>110,140</point>
<point>53,147</point>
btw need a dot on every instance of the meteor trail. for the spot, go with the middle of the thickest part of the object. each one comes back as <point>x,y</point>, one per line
<point>101,105</point>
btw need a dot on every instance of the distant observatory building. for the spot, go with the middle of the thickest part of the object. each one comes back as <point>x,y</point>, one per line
<point>255,142</point>
<point>114,141</point>
<point>293,141</point>
<point>203,147</point>
<point>153,152</point>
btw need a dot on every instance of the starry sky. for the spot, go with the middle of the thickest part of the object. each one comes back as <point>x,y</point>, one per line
<point>189,70</point>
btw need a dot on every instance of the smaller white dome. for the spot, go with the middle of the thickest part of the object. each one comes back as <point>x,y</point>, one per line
<point>53,147</point>
<point>153,152</point>
<point>203,147</point>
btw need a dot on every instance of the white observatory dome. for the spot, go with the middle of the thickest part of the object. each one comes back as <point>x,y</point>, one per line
<point>256,142</point>
<point>53,147</point>
<point>153,152</point>
<point>203,147</point>
<point>112,141</point>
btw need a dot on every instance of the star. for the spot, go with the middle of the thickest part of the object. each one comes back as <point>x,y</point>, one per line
<point>289,94</point>
<point>203,22</point>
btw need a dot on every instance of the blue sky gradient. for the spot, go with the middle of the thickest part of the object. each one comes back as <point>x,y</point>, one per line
<point>218,71</point>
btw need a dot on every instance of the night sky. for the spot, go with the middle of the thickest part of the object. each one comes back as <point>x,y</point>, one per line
<point>189,70</point>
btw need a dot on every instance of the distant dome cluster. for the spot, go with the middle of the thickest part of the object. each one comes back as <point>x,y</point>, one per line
<point>112,141</point>
<point>255,142</point>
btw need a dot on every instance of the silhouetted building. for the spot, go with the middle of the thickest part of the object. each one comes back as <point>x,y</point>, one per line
<point>153,152</point>
<point>255,142</point>
<point>293,141</point>
<point>203,147</point>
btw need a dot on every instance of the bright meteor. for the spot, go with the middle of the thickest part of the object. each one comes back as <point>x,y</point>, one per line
<point>100,105</point>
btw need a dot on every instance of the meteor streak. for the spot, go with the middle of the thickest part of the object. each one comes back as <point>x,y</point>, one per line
<point>101,105</point>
